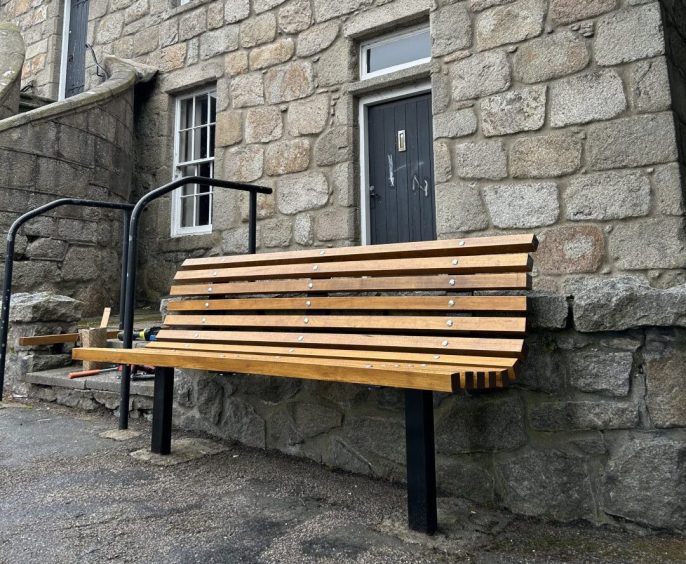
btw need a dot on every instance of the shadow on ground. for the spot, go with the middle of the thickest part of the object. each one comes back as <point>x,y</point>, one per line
<point>69,495</point>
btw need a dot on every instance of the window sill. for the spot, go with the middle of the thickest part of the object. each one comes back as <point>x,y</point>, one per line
<point>417,73</point>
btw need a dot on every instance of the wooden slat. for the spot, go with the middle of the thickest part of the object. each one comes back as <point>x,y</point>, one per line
<point>437,378</point>
<point>452,359</point>
<point>506,325</point>
<point>458,247</point>
<point>359,303</point>
<point>57,339</point>
<point>505,281</point>
<point>394,267</point>
<point>486,346</point>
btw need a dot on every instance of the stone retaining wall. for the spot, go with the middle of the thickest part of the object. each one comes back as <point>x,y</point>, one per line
<point>11,61</point>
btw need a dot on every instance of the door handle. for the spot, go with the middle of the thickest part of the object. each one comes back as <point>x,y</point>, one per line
<point>426,188</point>
<point>372,192</point>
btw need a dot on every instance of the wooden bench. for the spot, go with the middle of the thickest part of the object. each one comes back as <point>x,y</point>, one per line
<point>399,315</point>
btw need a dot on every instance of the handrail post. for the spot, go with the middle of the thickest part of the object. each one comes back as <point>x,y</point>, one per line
<point>252,224</point>
<point>130,290</point>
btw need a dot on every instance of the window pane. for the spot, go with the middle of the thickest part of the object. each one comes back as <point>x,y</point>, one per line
<point>186,114</point>
<point>187,211</point>
<point>204,207</point>
<point>402,49</point>
<point>205,169</point>
<point>203,143</point>
<point>201,109</point>
<point>212,140</point>
<point>213,107</point>
<point>185,146</point>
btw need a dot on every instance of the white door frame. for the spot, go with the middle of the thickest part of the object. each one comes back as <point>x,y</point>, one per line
<point>364,103</point>
<point>66,16</point>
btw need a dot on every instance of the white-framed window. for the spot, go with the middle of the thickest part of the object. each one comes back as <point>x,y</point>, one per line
<point>194,156</point>
<point>395,51</point>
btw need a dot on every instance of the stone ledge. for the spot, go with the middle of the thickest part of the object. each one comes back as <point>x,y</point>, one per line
<point>399,78</point>
<point>107,382</point>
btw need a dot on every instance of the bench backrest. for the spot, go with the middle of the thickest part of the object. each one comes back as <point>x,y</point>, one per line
<point>397,302</point>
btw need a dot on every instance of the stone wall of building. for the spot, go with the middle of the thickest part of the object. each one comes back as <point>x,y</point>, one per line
<point>81,148</point>
<point>552,116</point>
<point>11,61</point>
<point>40,24</point>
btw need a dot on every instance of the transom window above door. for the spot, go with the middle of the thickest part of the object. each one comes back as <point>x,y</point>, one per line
<point>395,51</point>
<point>194,156</point>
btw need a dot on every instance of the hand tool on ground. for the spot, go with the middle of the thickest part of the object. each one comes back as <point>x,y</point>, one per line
<point>84,373</point>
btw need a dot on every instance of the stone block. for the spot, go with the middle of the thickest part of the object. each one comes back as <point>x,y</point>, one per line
<point>480,424</point>
<point>169,58</point>
<point>295,16</point>
<point>629,34</point>
<point>243,164</point>
<point>480,5</point>
<point>258,30</point>
<point>334,146</point>
<point>44,306</point>
<point>301,192</point>
<point>549,57</point>
<point>570,249</point>
<point>522,205</point>
<point>666,386</point>
<point>218,41</point>
<point>317,38</point>
<point>236,63</point>
<point>545,156</point>
<point>326,10</point>
<point>546,483</point>
<point>626,302</point>
<point>109,28</point>
<point>583,415</point>
<point>600,371</point>
<point>459,208</point>
<point>81,263</point>
<point>277,232</point>
<point>479,75</point>
<point>608,195</point>
<point>585,98</point>
<point>287,156</point>
<point>514,111</point>
<point>247,90</point>
<point>263,124</point>
<point>631,142</point>
<point>481,159</point>
<point>241,422</point>
<point>264,5</point>
<point>44,248</point>
<point>458,123</point>
<point>289,82</point>
<point>541,370</point>
<point>669,194</point>
<point>465,479</point>
<point>272,54</point>
<point>649,243</point>
<point>235,241</point>
<point>169,32</point>
<point>229,130</point>
<point>215,15</point>
<point>649,85</point>
<point>136,11</point>
<point>451,29</point>
<point>343,181</point>
<point>511,23</point>
<point>303,229</point>
<point>308,116</point>
<point>645,481</point>
<point>443,168</point>
<point>335,224</point>
<point>547,311</point>
<point>236,10</point>
<point>568,11</point>
<point>192,24</point>
<point>334,68</point>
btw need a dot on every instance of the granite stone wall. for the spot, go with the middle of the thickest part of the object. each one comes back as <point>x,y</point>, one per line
<point>561,117</point>
<point>11,61</point>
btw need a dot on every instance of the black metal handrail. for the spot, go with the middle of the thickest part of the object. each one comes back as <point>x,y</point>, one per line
<point>9,262</point>
<point>130,281</point>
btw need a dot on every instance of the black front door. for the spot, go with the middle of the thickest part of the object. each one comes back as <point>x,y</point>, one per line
<point>76,48</point>
<point>401,181</point>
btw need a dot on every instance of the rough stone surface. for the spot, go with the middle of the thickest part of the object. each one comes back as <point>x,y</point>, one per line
<point>669,194</point>
<point>289,82</point>
<point>335,224</point>
<point>451,29</point>
<point>570,249</point>
<point>514,111</point>
<point>551,56</point>
<point>645,481</point>
<point>649,243</point>
<point>666,386</point>
<point>308,117</point>
<point>459,208</point>
<point>545,156</point>
<point>589,97</point>
<point>480,75</point>
<point>303,229</point>
<point>615,304</point>
<point>632,141</point>
<point>600,371</point>
<point>271,54</point>
<point>302,192</point>
<point>510,23</point>
<point>258,30</point>
<point>277,232</point>
<point>546,482</point>
<point>522,205</point>
<point>333,146</point>
<point>229,129</point>
<point>44,306</point>
<point>608,195</point>
<point>244,163</point>
<point>287,156</point>
<point>547,311</point>
<point>481,159</point>
<point>219,41</point>
<point>263,124</point>
<point>650,86</point>
<point>568,11</point>
<point>236,10</point>
<point>629,35</point>
<point>295,16</point>
<point>247,90</point>
<point>454,124</point>
<point>583,415</point>
<point>317,38</point>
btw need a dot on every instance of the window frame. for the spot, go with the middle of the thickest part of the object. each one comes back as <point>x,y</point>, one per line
<point>177,230</point>
<point>366,46</point>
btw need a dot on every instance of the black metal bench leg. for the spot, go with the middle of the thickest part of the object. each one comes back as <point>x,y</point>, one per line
<point>421,461</point>
<point>162,410</point>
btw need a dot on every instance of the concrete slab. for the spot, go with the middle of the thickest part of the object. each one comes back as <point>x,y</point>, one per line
<point>107,382</point>
<point>183,450</point>
<point>67,494</point>
<point>120,434</point>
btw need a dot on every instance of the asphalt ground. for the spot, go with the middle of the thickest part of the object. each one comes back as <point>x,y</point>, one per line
<point>68,494</point>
